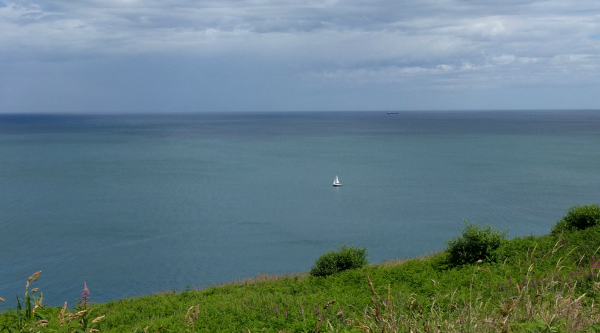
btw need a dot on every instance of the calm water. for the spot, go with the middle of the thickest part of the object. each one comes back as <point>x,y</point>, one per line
<point>139,204</point>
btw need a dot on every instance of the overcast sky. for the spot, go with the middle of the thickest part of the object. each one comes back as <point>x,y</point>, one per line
<point>289,55</point>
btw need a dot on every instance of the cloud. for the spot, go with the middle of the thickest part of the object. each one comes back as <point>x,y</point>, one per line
<point>425,45</point>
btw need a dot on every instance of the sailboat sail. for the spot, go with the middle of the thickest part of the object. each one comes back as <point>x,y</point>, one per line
<point>336,181</point>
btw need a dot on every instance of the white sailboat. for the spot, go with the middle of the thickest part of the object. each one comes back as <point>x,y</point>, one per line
<point>336,181</point>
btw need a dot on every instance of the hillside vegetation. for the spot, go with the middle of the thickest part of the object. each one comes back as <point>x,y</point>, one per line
<point>482,282</point>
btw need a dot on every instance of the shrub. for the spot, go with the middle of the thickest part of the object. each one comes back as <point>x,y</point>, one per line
<point>474,244</point>
<point>578,218</point>
<point>336,261</point>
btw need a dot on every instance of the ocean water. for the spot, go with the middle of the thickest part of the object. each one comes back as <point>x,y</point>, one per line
<point>139,204</point>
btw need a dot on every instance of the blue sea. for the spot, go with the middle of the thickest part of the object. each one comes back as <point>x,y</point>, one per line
<point>137,204</point>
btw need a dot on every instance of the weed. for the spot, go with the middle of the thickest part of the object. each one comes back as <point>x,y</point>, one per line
<point>474,244</point>
<point>25,319</point>
<point>31,318</point>
<point>578,217</point>
<point>337,261</point>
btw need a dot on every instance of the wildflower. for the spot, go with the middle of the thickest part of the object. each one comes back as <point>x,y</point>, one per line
<point>85,298</point>
<point>276,309</point>
<point>285,313</point>
<point>486,285</point>
<point>510,280</point>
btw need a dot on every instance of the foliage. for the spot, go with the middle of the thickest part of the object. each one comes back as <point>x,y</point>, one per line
<point>543,284</point>
<point>337,261</point>
<point>474,244</point>
<point>25,319</point>
<point>578,217</point>
<point>539,326</point>
<point>29,320</point>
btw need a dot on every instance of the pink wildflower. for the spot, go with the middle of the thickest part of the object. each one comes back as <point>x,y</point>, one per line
<point>85,298</point>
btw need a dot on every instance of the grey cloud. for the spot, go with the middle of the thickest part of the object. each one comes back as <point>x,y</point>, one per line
<point>425,45</point>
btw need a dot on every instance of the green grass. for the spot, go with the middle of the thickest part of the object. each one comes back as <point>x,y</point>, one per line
<point>536,284</point>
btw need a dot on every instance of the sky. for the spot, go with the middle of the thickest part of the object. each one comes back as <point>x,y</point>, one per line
<point>171,56</point>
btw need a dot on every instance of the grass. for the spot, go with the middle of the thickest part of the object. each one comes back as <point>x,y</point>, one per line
<point>547,283</point>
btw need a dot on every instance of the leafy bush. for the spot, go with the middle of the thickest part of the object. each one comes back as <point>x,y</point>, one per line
<point>578,218</point>
<point>474,244</point>
<point>336,261</point>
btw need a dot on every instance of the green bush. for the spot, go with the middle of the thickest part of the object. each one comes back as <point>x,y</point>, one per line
<point>474,244</point>
<point>578,218</point>
<point>336,261</point>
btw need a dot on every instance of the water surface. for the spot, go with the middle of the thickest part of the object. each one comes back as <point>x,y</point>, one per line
<point>138,204</point>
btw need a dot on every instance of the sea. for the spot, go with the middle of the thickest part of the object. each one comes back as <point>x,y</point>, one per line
<point>139,204</point>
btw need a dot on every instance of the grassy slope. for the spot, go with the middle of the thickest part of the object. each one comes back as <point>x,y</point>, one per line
<point>539,283</point>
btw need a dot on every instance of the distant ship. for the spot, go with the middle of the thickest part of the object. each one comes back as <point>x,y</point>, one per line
<point>336,181</point>
<point>393,113</point>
